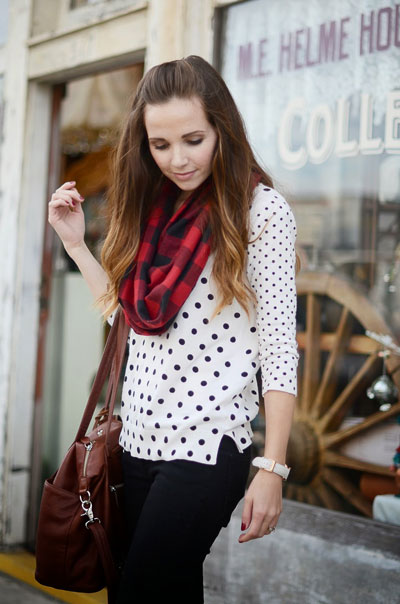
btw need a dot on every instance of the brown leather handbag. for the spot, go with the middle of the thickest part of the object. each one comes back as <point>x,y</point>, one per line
<point>80,542</point>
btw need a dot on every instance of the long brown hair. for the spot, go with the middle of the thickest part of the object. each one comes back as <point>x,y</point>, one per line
<point>136,178</point>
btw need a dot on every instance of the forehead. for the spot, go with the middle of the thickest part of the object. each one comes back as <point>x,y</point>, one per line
<point>175,117</point>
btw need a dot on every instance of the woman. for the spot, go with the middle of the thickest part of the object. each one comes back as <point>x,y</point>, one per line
<point>200,255</point>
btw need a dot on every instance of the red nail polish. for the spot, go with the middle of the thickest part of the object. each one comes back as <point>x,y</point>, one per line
<point>81,198</point>
<point>73,203</point>
<point>243,528</point>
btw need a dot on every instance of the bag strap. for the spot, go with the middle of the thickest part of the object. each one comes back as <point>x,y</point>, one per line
<point>103,547</point>
<point>122,336</point>
<point>113,350</point>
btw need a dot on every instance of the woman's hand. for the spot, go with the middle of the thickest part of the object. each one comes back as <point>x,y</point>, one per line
<point>262,505</point>
<point>67,218</point>
<point>66,215</point>
<point>263,500</point>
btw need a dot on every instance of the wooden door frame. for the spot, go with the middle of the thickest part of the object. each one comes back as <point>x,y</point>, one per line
<point>54,162</point>
<point>49,243</point>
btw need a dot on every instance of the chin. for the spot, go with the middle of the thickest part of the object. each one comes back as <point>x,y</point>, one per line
<point>190,185</point>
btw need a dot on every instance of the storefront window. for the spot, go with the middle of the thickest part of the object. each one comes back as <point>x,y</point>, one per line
<point>319,90</point>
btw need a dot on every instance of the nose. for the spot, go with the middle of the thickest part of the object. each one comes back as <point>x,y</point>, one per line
<point>178,159</point>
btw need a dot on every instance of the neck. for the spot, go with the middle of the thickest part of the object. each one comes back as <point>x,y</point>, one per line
<point>181,199</point>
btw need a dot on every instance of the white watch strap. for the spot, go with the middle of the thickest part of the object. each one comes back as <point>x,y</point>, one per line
<point>270,465</point>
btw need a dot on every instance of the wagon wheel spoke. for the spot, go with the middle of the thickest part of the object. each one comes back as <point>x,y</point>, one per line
<point>393,367</point>
<point>311,352</point>
<point>357,344</point>
<point>362,345</point>
<point>328,382</point>
<point>333,458</point>
<point>340,436</point>
<point>348,490</point>
<point>335,414</point>
<point>312,497</point>
<point>328,496</point>
<point>301,494</point>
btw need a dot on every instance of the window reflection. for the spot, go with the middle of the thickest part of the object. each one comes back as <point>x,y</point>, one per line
<point>320,97</point>
<point>322,107</point>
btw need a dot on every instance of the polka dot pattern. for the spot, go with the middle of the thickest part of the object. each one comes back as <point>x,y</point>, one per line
<point>184,389</point>
<point>271,273</point>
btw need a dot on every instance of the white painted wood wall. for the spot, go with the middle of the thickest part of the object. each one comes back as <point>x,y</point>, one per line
<point>46,44</point>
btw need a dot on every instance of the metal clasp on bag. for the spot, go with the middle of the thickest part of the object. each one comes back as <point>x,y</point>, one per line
<point>88,510</point>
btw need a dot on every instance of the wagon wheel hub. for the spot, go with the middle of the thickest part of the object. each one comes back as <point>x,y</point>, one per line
<point>304,453</point>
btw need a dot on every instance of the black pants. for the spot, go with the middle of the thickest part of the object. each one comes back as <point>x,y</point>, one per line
<point>174,512</point>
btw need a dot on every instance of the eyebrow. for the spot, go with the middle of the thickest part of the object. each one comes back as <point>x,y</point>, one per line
<point>159,138</point>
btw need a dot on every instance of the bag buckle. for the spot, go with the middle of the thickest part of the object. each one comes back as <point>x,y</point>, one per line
<point>88,510</point>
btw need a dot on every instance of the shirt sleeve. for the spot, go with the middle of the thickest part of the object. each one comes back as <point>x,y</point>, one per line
<point>271,274</point>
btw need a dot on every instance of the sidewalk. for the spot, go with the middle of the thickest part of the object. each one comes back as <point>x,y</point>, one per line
<point>14,592</point>
<point>18,584</point>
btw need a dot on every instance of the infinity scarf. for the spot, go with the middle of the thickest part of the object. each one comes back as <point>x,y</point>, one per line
<point>173,251</point>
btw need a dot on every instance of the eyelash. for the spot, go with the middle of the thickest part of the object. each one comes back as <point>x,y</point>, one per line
<point>163,147</point>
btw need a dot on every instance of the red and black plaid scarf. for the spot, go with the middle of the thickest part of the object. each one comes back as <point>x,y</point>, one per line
<point>173,251</point>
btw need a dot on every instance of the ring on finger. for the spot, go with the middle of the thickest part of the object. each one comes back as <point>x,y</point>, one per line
<point>271,529</point>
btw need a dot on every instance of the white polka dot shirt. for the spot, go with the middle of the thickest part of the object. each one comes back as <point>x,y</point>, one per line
<point>185,389</point>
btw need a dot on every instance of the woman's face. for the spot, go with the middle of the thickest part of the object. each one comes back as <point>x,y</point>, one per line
<point>181,141</point>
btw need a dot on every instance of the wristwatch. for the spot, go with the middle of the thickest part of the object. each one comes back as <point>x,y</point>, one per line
<point>270,465</point>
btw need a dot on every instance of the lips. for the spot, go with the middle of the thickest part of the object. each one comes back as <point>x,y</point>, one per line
<point>185,175</point>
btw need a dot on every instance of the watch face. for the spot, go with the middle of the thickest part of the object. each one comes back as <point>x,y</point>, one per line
<point>269,465</point>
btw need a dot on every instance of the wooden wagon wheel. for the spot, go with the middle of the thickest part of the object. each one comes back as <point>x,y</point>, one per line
<point>332,319</point>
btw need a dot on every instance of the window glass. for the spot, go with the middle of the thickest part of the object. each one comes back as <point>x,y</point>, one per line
<point>320,95</point>
<point>318,85</point>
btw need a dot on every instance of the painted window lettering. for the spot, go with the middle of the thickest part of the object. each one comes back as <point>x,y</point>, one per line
<point>328,42</point>
<point>324,130</point>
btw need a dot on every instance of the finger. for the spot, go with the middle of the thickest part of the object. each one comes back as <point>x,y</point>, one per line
<point>59,203</point>
<point>61,199</point>
<point>270,523</point>
<point>68,194</point>
<point>246,514</point>
<point>75,193</point>
<point>255,528</point>
<point>268,527</point>
<point>71,189</point>
<point>67,185</point>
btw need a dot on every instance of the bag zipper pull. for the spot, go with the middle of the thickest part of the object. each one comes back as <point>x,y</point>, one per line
<point>88,447</point>
<point>88,509</point>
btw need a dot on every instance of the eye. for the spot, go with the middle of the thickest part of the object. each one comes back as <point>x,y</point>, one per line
<point>197,141</point>
<point>160,147</point>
